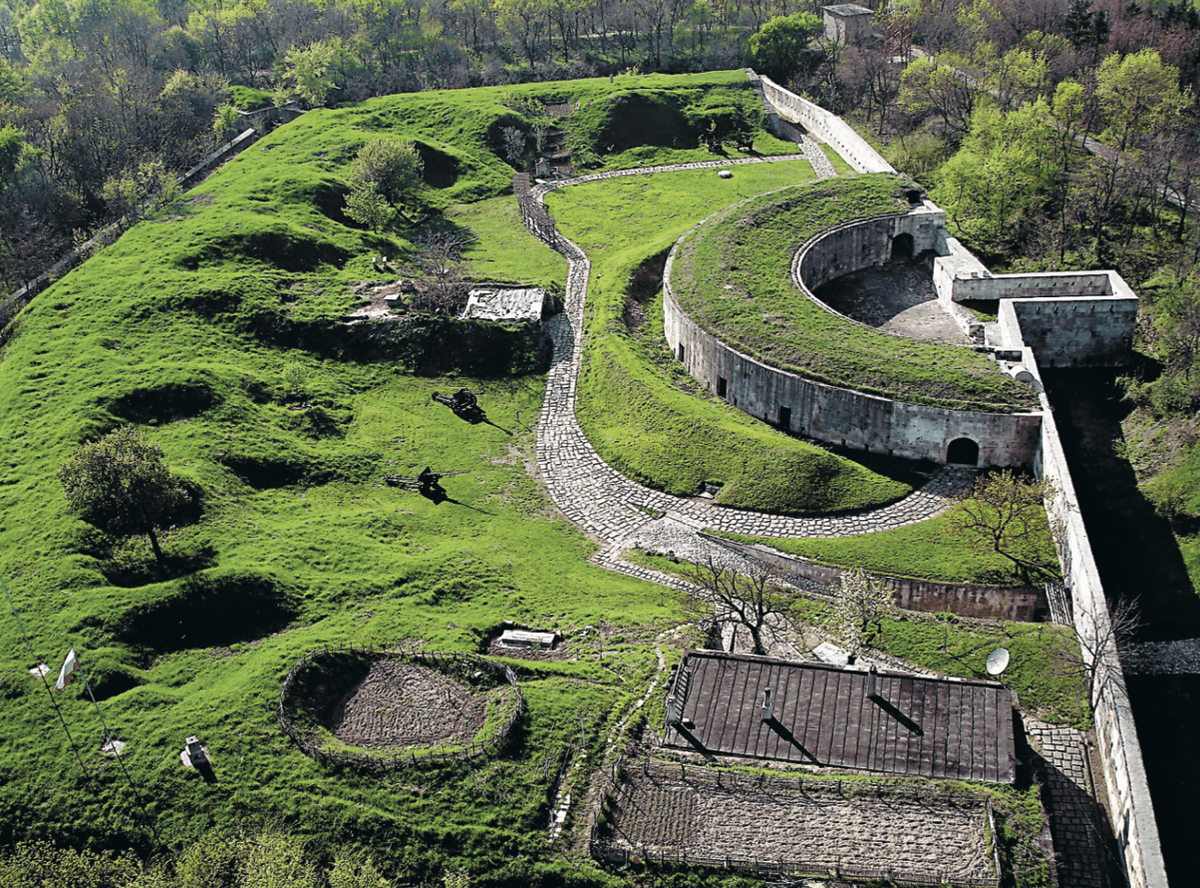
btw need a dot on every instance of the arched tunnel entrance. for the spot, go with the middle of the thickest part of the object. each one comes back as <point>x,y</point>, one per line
<point>962,452</point>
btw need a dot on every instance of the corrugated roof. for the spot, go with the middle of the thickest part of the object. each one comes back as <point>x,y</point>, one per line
<point>915,726</point>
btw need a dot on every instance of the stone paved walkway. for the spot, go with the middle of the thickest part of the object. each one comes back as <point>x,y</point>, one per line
<point>1075,815</point>
<point>617,510</point>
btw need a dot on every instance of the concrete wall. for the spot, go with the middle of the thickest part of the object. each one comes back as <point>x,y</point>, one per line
<point>840,415</point>
<point>827,127</point>
<point>1129,803</point>
<point>1019,603</point>
<point>1095,332</point>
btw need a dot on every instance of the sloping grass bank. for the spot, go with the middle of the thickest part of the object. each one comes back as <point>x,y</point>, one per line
<point>635,403</point>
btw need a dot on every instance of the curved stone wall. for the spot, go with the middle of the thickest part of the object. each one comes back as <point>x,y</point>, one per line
<point>840,415</point>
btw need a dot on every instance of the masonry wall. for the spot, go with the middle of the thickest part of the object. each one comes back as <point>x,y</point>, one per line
<point>827,127</point>
<point>840,415</point>
<point>1095,332</point>
<point>1129,800</point>
<point>865,243</point>
<point>1018,603</point>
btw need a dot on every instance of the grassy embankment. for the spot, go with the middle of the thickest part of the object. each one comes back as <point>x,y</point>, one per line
<point>931,550</point>
<point>636,403</point>
<point>732,277</point>
<point>187,326</point>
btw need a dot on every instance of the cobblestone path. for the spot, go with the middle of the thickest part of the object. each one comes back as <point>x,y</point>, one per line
<point>619,511</point>
<point>661,812</point>
<point>1075,815</point>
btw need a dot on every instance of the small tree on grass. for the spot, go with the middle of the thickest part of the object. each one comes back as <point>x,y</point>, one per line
<point>385,175</point>
<point>753,599</point>
<point>860,605</point>
<point>440,267</point>
<point>1005,513</point>
<point>121,484</point>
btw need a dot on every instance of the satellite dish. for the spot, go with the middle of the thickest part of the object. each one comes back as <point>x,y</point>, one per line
<point>997,661</point>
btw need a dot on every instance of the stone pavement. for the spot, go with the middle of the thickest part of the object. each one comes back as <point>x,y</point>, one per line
<point>1077,820</point>
<point>615,509</point>
<point>1180,657</point>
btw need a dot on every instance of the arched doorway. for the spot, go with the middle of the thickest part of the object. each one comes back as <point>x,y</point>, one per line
<point>962,452</point>
<point>902,247</point>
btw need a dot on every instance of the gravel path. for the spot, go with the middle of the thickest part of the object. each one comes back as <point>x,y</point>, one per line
<point>621,512</point>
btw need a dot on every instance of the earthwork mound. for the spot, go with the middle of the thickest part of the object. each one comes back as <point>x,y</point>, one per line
<point>387,708</point>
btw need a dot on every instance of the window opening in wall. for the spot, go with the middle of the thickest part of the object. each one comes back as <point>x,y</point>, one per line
<point>785,417</point>
<point>962,452</point>
<point>722,386</point>
<point>680,352</point>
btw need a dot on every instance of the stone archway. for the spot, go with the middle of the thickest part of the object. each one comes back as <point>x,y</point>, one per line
<point>962,452</point>
<point>902,247</point>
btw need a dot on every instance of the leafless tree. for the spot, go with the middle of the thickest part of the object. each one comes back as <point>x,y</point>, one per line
<point>439,270</point>
<point>748,597</point>
<point>1100,634</point>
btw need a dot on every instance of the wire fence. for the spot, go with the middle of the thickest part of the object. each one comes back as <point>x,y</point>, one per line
<point>615,782</point>
<point>460,665</point>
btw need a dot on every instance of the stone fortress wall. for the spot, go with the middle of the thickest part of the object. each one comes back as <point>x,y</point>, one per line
<point>1069,319</point>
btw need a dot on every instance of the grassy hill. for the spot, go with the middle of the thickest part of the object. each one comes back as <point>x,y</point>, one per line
<point>217,327</point>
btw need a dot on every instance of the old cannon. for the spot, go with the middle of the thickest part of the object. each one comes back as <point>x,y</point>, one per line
<point>462,401</point>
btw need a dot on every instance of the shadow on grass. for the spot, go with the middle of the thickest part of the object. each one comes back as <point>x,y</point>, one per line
<point>131,574</point>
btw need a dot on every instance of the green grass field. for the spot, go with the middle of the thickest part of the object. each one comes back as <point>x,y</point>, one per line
<point>931,550</point>
<point>732,277</point>
<point>217,328</point>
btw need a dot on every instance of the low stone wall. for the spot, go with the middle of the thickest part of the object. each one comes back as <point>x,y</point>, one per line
<point>826,126</point>
<point>1022,604</point>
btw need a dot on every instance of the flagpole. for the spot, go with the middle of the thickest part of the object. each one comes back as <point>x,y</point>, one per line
<point>45,684</point>
<point>108,737</point>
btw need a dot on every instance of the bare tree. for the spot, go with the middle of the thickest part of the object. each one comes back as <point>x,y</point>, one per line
<point>752,598</point>
<point>1005,513</point>
<point>1101,631</point>
<point>860,605</point>
<point>439,270</point>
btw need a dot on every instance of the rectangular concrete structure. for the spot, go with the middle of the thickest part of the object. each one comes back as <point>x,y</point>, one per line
<point>914,726</point>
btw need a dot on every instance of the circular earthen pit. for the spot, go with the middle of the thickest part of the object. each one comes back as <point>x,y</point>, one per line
<point>401,704</point>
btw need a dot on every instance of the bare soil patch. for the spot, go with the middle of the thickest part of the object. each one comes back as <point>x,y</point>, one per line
<point>401,704</point>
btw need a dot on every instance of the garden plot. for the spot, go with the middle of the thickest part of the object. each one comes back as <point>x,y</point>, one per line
<point>815,825</point>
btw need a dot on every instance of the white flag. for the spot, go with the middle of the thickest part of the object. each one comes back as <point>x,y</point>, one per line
<point>69,667</point>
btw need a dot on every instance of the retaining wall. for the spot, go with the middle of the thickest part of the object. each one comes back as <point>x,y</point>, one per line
<point>839,415</point>
<point>865,243</point>
<point>1129,803</point>
<point>1023,604</point>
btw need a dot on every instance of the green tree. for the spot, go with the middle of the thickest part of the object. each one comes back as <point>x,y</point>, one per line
<point>40,864</point>
<point>1139,96</point>
<point>355,871</point>
<point>938,87</point>
<point>780,45</point>
<point>1005,513</point>
<point>309,71</point>
<point>366,206</point>
<point>392,170</point>
<point>995,187</point>
<point>121,484</point>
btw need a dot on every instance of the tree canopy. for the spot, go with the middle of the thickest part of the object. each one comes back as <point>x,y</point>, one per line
<point>122,484</point>
<point>779,46</point>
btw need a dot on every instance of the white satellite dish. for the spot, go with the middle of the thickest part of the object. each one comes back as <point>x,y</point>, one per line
<point>997,661</point>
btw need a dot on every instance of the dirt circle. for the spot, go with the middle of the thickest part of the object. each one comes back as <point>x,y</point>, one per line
<point>401,704</point>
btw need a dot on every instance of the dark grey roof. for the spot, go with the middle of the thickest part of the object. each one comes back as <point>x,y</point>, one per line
<point>914,726</point>
<point>848,9</point>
